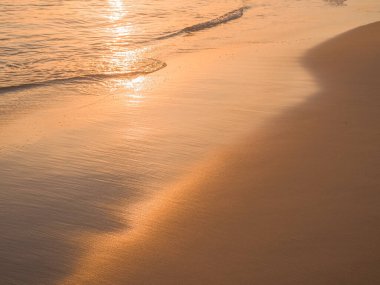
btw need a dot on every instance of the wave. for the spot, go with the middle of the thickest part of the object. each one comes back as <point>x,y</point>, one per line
<point>152,66</point>
<point>230,16</point>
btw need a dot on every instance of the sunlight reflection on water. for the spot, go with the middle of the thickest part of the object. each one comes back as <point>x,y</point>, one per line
<point>117,10</point>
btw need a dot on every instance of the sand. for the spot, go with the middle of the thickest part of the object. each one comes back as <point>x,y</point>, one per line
<point>296,203</point>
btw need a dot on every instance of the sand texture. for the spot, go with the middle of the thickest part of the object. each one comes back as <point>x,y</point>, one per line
<point>298,203</point>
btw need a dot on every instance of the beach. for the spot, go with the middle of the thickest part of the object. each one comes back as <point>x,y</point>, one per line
<point>243,153</point>
<point>296,204</point>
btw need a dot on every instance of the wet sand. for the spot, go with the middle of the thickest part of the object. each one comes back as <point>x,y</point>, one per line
<point>297,203</point>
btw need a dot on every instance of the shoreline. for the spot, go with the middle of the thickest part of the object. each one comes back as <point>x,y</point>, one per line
<point>295,204</point>
<point>92,173</point>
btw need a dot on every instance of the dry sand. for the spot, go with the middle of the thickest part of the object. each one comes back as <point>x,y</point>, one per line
<point>296,204</point>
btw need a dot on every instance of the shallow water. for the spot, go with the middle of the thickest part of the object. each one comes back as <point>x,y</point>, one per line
<point>84,134</point>
<point>48,40</point>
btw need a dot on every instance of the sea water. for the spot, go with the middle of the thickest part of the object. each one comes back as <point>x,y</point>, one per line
<point>45,41</point>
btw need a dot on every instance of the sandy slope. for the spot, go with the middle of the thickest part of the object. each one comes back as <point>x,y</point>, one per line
<point>297,204</point>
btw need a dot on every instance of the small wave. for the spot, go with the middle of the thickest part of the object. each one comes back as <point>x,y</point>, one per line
<point>232,15</point>
<point>153,65</point>
<point>336,2</point>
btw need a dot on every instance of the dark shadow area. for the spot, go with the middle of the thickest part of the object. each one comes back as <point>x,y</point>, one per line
<point>348,61</point>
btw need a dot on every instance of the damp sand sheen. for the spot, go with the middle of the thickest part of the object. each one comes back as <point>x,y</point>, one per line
<point>229,145</point>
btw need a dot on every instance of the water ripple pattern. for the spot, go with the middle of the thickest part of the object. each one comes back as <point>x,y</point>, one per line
<point>52,41</point>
